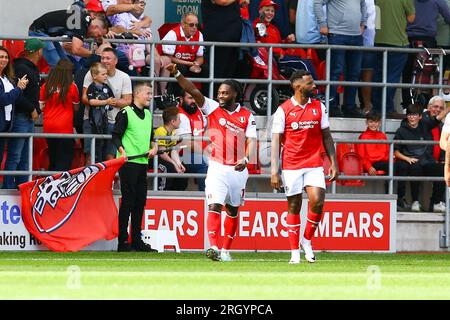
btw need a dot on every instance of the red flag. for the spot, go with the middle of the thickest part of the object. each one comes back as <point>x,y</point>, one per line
<point>70,210</point>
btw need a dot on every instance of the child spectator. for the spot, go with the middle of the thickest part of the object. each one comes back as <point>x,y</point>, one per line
<point>266,32</point>
<point>58,99</point>
<point>100,96</point>
<point>169,163</point>
<point>375,157</point>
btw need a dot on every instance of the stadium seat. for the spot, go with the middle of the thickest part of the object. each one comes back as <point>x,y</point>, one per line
<point>38,145</point>
<point>351,166</point>
<point>162,31</point>
<point>17,47</point>
<point>78,155</point>
<point>43,159</point>
<point>349,163</point>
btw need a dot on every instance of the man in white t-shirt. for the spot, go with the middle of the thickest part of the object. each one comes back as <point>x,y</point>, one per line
<point>120,83</point>
<point>232,130</point>
<point>189,58</point>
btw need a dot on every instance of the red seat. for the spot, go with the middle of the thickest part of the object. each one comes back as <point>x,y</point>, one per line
<point>352,166</point>
<point>15,48</point>
<point>43,159</point>
<point>162,31</point>
<point>78,156</point>
<point>349,163</point>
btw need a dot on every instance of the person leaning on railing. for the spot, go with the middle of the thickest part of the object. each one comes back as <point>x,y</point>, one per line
<point>9,93</point>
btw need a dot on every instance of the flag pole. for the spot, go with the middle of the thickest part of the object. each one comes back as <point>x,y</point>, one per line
<point>159,152</point>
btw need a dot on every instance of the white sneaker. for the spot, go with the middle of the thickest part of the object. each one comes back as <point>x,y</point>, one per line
<point>439,207</point>
<point>213,253</point>
<point>295,257</point>
<point>307,248</point>
<point>415,207</point>
<point>225,256</point>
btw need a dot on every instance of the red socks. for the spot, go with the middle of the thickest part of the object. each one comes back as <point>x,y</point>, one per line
<point>312,222</point>
<point>213,225</point>
<point>293,226</point>
<point>230,226</point>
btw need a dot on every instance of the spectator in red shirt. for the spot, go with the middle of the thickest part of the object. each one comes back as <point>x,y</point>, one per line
<point>266,32</point>
<point>375,157</point>
<point>58,99</point>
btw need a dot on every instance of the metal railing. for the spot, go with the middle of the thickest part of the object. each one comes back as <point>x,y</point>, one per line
<point>270,83</point>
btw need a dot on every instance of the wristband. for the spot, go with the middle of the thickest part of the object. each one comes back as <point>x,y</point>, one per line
<point>176,75</point>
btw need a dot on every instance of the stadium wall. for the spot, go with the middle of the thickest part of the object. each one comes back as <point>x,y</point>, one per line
<point>351,223</point>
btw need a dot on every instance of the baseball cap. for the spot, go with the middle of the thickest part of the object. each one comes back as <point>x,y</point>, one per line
<point>95,6</point>
<point>33,44</point>
<point>266,3</point>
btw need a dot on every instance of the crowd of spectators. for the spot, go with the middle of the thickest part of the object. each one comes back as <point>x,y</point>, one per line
<point>89,83</point>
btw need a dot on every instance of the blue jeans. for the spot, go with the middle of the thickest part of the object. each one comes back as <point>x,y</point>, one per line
<point>17,151</point>
<point>348,63</point>
<point>195,167</point>
<point>53,51</point>
<point>395,63</point>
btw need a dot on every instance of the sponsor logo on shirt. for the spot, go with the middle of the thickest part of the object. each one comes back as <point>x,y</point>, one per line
<point>304,124</point>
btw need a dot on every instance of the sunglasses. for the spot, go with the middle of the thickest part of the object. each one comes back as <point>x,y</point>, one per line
<point>192,25</point>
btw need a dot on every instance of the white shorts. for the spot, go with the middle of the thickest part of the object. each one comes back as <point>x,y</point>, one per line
<point>224,185</point>
<point>295,180</point>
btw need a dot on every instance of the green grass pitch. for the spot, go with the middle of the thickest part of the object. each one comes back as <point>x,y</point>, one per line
<point>111,275</point>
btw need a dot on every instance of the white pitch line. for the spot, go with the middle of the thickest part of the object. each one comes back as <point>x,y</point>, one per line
<point>183,259</point>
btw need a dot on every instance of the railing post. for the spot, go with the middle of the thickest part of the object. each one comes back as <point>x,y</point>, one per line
<point>391,168</point>
<point>269,85</point>
<point>327,78</point>
<point>92,151</point>
<point>30,157</point>
<point>441,71</point>
<point>384,92</point>
<point>155,171</point>
<point>151,74</point>
<point>211,72</point>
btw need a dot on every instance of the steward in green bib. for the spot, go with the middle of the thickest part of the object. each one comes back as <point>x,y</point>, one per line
<point>133,134</point>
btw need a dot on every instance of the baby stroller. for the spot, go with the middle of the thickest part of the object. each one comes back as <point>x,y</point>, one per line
<point>425,71</point>
<point>257,95</point>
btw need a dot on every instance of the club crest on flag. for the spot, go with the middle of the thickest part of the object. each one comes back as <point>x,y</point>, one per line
<point>73,209</point>
<point>64,192</point>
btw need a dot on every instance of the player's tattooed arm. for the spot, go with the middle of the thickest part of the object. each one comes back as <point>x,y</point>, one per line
<point>186,84</point>
<point>331,152</point>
